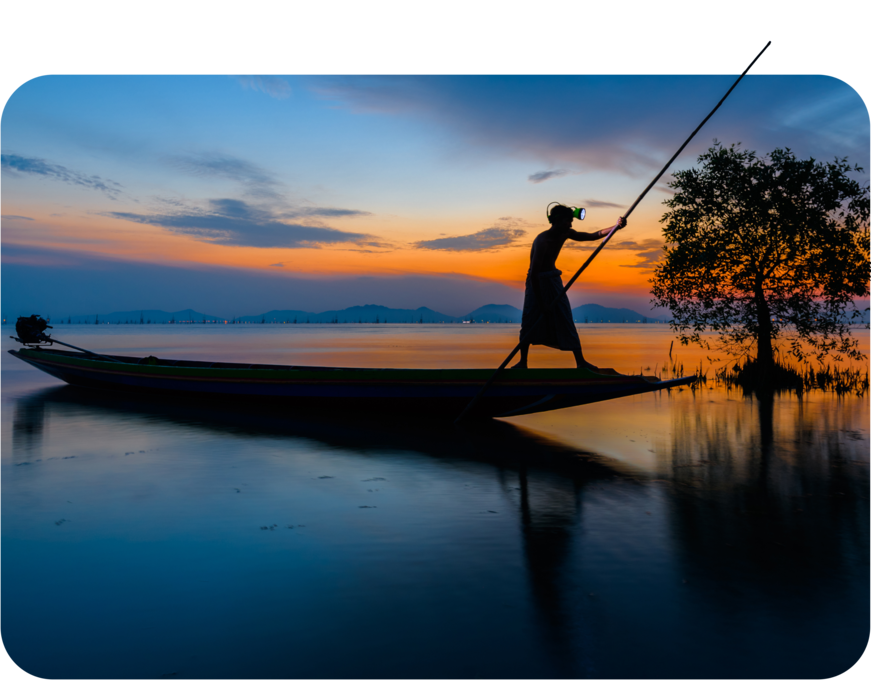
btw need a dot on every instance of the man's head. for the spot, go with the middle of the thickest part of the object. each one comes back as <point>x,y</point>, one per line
<point>561,216</point>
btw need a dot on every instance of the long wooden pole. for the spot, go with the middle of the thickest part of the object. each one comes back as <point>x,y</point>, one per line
<point>607,238</point>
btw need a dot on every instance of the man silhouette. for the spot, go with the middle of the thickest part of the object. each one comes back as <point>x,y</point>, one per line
<point>544,290</point>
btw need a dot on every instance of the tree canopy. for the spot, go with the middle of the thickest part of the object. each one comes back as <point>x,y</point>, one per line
<point>765,248</point>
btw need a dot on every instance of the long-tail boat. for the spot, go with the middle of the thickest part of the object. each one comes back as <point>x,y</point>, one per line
<point>436,392</point>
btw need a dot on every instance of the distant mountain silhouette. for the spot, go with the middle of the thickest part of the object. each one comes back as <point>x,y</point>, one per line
<point>593,313</point>
<point>588,313</point>
<point>494,314</point>
<point>358,314</point>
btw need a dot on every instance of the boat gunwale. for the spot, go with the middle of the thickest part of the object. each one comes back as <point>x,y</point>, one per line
<point>237,372</point>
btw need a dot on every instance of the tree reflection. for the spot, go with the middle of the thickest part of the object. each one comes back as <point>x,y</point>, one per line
<point>771,504</point>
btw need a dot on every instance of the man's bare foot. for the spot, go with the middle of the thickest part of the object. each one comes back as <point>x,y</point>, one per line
<point>519,364</point>
<point>588,366</point>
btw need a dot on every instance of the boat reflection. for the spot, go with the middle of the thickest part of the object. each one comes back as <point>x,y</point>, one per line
<point>544,479</point>
<point>28,424</point>
<point>497,442</point>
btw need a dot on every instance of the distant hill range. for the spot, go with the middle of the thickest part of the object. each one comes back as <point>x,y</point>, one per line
<point>589,313</point>
<point>358,314</point>
<point>593,313</point>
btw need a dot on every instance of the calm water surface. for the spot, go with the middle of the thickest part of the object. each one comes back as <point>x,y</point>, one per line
<point>682,534</point>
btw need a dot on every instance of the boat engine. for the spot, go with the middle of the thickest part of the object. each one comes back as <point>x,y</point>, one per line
<point>31,330</point>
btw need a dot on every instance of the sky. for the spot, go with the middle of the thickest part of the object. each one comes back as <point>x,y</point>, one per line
<point>240,194</point>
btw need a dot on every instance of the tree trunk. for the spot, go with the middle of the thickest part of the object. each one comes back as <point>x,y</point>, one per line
<point>764,349</point>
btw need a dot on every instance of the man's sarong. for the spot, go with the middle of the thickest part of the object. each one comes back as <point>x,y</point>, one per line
<point>557,329</point>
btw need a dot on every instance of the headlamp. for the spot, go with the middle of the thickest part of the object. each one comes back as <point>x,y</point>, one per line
<point>577,213</point>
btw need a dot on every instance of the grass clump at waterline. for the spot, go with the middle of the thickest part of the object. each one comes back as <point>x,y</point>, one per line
<point>798,379</point>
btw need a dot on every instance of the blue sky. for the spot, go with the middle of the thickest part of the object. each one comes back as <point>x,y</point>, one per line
<point>306,186</point>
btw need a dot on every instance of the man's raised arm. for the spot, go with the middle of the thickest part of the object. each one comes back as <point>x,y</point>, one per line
<point>596,235</point>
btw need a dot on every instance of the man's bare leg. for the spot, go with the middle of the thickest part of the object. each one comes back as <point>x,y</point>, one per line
<point>524,357</point>
<point>583,363</point>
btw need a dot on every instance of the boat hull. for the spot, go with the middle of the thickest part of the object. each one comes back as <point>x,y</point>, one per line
<point>436,392</point>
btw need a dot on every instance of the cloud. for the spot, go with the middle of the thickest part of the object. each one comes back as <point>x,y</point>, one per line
<point>232,222</point>
<point>616,244</point>
<point>36,166</point>
<point>213,164</point>
<point>591,122</point>
<point>649,251</point>
<point>646,244</point>
<point>275,87</point>
<point>272,223</point>
<point>486,239</point>
<point>601,204</point>
<point>16,217</point>
<point>834,120</point>
<point>376,94</point>
<point>257,181</point>
<point>544,175</point>
<point>373,244</point>
<point>648,259</point>
<point>325,212</point>
<point>626,124</point>
<point>277,264</point>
